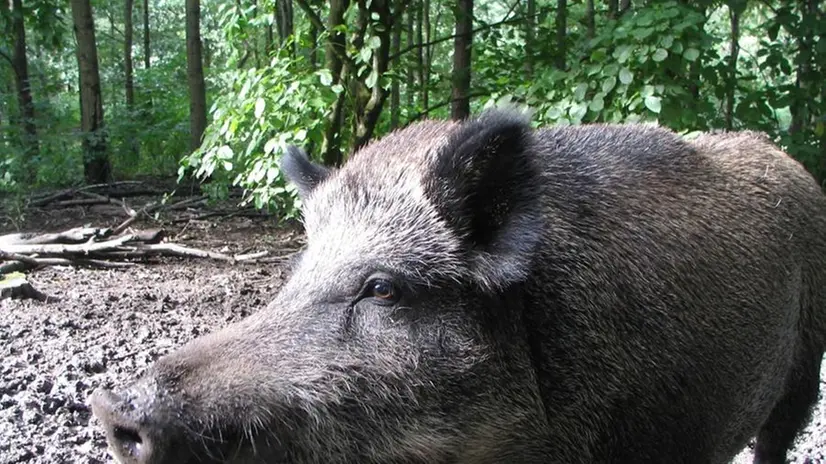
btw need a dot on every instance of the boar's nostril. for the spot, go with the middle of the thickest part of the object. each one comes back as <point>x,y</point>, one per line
<point>129,441</point>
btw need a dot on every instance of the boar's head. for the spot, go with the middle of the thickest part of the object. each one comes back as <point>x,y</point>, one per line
<point>397,338</point>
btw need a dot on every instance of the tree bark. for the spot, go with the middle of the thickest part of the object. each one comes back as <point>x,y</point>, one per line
<point>624,6</point>
<point>128,71</point>
<point>530,36</point>
<point>411,40</point>
<point>395,97</point>
<point>95,160</point>
<point>428,54</point>
<point>420,55</point>
<point>613,9</point>
<point>460,107</point>
<point>561,29</point>
<point>381,60</point>
<point>735,9</point>
<point>20,65</point>
<point>147,54</point>
<point>285,21</point>
<point>590,19</point>
<point>331,147</point>
<point>195,74</point>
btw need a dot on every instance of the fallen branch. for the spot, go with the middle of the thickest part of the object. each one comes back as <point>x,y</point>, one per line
<point>36,263</point>
<point>155,206</point>
<point>61,249</point>
<point>44,200</point>
<point>76,235</point>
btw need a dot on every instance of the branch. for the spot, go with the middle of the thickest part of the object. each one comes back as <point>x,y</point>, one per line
<point>443,104</point>
<point>318,23</point>
<point>5,55</point>
<point>445,39</point>
<point>58,249</point>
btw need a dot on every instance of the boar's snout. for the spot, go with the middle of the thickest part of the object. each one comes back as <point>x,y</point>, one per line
<point>135,427</point>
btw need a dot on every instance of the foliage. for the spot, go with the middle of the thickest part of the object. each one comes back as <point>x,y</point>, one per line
<point>658,61</point>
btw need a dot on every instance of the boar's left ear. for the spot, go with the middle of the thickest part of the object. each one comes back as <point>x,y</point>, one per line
<point>299,170</point>
<point>486,183</point>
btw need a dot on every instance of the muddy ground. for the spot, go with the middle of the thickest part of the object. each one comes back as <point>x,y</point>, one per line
<point>111,324</point>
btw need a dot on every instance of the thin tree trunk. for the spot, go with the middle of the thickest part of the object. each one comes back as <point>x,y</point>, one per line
<point>428,54</point>
<point>420,53</point>
<point>95,160</point>
<point>735,8</point>
<point>195,74</point>
<point>331,147</point>
<point>147,53</point>
<point>128,70</point>
<point>613,9</point>
<point>411,39</point>
<point>285,22</point>
<point>624,6</point>
<point>381,61</point>
<point>530,37</point>
<point>395,97</point>
<point>460,105</point>
<point>561,29</point>
<point>590,19</point>
<point>20,65</point>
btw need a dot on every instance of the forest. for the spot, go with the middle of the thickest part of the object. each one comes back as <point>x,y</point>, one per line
<point>100,91</point>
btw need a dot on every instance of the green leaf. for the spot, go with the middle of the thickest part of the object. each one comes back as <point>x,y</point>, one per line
<point>269,147</point>
<point>653,103</point>
<point>228,165</point>
<point>596,105</point>
<point>611,69</point>
<point>579,92</point>
<point>371,80</point>
<point>691,54</point>
<point>667,41</point>
<point>225,152</point>
<point>578,111</point>
<point>374,42</point>
<point>260,105</point>
<point>608,84</point>
<point>326,77</point>
<point>659,55</point>
<point>625,76</point>
<point>301,135</point>
<point>366,53</point>
<point>622,53</point>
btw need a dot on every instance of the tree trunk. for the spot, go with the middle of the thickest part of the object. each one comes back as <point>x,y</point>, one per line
<point>460,105</point>
<point>147,54</point>
<point>735,9</point>
<point>285,22</point>
<point>428,54</point>
<point>195,74</point>
<point>331,147</point>
<point>530,37</point>
<point>95,160</point>
<point>624,6</point>
<point>590,19</point>
<point>420,54</point>
<point>613,9</point>
<point>379,9</point>
<point>20,65</point>
<point>561,28</point>
<point>395,97</point>
<point>411,39</point>
<point>127,70</point>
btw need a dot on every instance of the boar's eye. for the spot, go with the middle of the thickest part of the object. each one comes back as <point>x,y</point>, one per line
<point>382,290</point>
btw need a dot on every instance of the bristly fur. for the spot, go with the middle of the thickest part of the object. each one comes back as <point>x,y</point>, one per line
<point>589,294</point>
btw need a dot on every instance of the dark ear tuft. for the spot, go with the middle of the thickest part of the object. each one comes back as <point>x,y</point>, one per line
<point>486,182</point>
<point>301,171</point>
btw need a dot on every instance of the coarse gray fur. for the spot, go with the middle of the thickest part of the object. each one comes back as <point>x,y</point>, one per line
<point>589,294</point>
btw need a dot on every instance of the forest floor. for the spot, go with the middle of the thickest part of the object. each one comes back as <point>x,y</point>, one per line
<point>110,325</point>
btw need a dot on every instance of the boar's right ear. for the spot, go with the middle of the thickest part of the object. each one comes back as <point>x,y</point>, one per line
<point>485,181</point>
<point>299,170</point>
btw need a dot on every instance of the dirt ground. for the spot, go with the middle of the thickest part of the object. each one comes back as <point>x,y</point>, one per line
<point>111,324</point>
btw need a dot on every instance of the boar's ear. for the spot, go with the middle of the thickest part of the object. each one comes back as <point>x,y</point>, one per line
<point>299,170</point>
<point>486,183</point>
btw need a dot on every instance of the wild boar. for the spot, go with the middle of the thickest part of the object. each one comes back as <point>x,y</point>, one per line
<point>485,292</point>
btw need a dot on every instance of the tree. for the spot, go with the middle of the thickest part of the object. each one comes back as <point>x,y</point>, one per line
<point>561,33</point>
<point>736,8</point>
<point>127,67</point>
<point>20,69</point>
<point>460,106</point>
<point>195,74</point>
<point>95,158</point>
<point>147,53</point>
